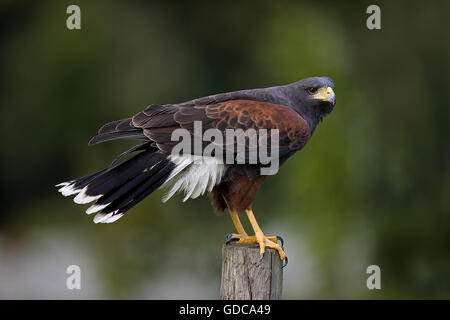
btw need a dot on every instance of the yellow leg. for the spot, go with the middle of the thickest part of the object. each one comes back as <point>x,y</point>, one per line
<point>237,223</point>
<point>260,238</point>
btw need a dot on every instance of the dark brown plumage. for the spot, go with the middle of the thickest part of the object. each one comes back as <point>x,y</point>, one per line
<point>240,191</point>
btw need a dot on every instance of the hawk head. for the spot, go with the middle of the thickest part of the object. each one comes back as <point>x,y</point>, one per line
<point>313,98</point>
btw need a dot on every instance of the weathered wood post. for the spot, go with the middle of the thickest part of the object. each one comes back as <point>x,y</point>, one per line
<point>246,277</point>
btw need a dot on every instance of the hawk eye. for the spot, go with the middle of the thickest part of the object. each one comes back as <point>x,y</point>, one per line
<point>312,90</point>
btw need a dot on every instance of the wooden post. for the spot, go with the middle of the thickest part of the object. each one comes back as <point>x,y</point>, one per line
<point>246,277</point>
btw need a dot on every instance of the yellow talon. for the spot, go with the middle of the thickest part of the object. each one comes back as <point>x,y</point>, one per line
<point>259,238</point>
<point>263,242</point>
<point>245,239</point>
<point>242,238</point>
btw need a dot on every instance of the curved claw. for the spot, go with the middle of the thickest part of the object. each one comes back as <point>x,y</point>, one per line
<point>285,262</point>
<point>231,240</point>
<point>261,256</point>
<point>281,240</point>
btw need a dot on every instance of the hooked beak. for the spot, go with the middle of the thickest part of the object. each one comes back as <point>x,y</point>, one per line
<point>326,94</point>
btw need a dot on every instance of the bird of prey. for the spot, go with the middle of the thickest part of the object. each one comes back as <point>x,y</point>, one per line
<point>294,110</point>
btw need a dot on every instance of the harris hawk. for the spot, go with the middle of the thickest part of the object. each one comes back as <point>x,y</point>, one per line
<point>293,110</point>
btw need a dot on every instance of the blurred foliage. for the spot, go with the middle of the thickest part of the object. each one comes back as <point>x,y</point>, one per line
<point>372,186</point>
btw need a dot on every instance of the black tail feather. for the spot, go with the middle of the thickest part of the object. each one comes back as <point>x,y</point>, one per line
<point>134,194</point>
<point>120,129</point>
<point>122,185</point>
<point>134,134</point>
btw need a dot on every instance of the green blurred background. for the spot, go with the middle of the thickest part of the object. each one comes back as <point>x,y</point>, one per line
<point>371,187</point>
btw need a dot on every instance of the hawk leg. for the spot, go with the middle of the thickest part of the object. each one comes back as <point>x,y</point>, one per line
<point>259,238</point>
<point>233,237</point>
<point>237,224</point>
